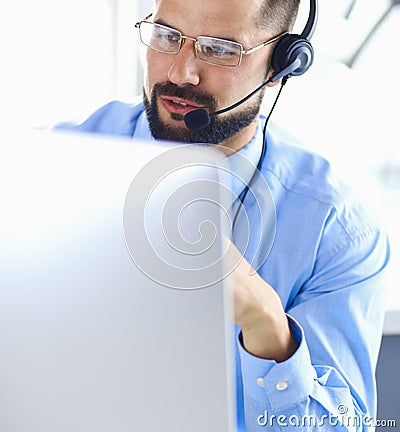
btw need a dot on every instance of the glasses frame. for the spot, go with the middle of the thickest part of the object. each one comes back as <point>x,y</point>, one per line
<point>183,38</point>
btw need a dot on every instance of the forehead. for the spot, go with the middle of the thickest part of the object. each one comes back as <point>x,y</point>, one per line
<point>222,18</point>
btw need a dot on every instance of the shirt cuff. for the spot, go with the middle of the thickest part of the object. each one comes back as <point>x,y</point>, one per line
<point>279,384</point>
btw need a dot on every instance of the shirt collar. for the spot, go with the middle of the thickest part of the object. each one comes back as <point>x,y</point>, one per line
<point>243,163</point>
<point>142,129</point>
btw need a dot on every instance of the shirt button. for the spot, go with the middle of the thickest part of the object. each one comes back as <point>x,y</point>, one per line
<point>281,385</point>
<point>260,382</point>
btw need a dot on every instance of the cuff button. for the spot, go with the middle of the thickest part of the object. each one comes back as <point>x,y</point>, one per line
<point>281,385</point>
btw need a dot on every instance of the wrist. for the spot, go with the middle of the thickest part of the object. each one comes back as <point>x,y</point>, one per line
<point>269,338</point>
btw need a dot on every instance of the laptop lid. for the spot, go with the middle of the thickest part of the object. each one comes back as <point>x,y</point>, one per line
<point>114,314</point>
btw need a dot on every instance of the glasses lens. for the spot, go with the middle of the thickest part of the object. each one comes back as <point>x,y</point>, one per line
<point>218,51</point>
<point>160,38</point>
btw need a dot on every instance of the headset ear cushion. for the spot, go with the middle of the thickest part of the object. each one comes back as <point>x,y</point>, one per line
<point>289,48</point>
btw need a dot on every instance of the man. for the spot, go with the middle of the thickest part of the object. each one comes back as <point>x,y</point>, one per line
<point>309,321</point>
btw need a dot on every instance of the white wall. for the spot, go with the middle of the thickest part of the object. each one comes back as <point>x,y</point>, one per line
<point>63,58</point>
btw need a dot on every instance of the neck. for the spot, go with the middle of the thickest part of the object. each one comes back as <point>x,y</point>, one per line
<point>241,139</point>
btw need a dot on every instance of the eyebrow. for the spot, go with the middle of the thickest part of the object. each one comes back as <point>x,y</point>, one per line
<point>162,22</point>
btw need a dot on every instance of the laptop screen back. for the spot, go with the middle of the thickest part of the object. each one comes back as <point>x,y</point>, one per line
<point>101,326</point>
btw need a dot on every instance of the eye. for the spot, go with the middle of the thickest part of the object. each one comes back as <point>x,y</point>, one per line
<point>218,50</point>
<point>167,35</point>
<point>165,39</point>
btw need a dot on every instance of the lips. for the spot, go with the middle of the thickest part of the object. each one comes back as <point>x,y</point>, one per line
<point>177,105</point>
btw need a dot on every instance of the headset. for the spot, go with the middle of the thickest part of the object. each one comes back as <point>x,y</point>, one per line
<point>292,56</point>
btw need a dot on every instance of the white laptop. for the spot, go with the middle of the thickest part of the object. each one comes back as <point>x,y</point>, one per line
<point>113,316</point>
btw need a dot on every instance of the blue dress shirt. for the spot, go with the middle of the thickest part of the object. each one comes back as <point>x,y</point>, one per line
<point>326,263</point>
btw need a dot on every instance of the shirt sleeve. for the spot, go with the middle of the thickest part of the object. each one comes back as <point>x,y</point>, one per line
<point>337,317</point>
<point>114,118</point>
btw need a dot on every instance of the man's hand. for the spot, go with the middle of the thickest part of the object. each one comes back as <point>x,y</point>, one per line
<point>259,312</point>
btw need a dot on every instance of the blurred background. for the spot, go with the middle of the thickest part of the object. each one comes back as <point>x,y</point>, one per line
<point>62,59</point>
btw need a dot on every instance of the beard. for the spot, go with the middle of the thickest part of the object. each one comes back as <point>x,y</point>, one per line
<point>219,129</point>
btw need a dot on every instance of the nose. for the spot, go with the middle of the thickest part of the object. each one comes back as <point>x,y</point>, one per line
<point>185,68</point>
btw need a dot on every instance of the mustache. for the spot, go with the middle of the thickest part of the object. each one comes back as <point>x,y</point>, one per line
<point>186,92</point>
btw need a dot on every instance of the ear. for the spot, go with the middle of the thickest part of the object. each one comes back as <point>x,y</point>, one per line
<point>271,73</point>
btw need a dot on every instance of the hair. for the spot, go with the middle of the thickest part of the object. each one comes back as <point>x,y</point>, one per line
<point>278,15</point>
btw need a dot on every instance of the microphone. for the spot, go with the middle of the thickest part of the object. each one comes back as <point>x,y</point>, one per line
<point>200,118</point>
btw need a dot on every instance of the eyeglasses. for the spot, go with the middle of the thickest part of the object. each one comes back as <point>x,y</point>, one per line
<point>219,52</point>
